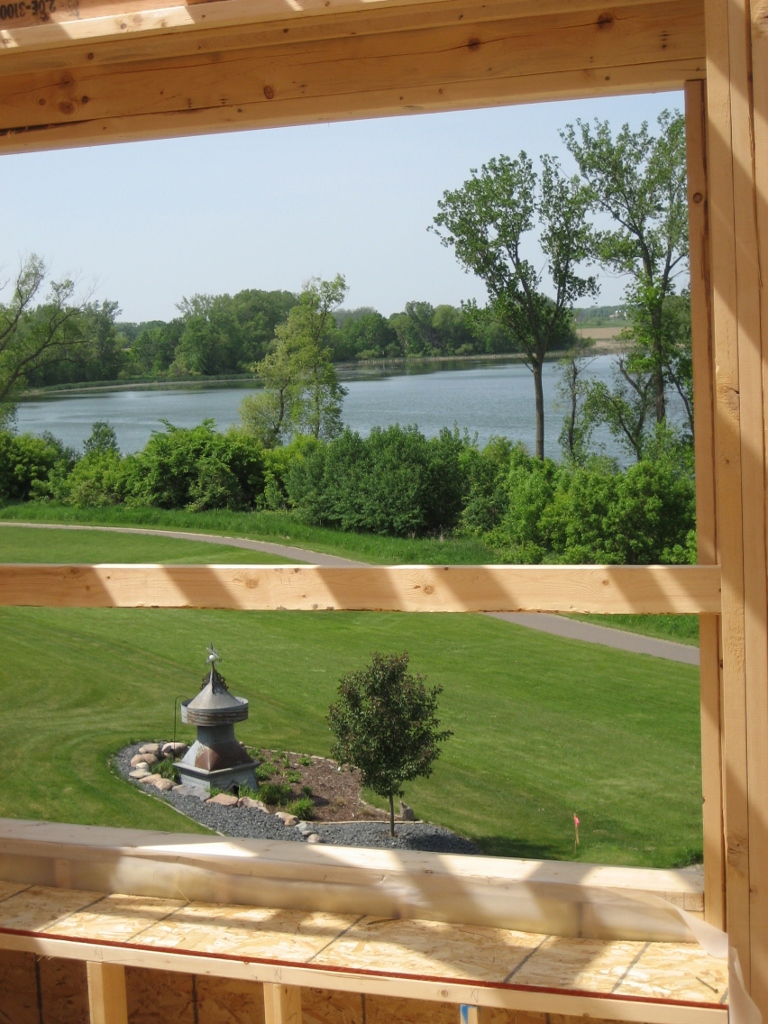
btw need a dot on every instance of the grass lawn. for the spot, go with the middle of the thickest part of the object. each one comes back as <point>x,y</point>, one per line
<point>271,526</point>
<point>543,727</point>
<point>20,544</point>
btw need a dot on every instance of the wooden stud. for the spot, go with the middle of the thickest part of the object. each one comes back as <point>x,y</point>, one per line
<point>757,722</point>
<point>703,378</point>
<point>106,993</point>
<point>639,589</point>
<point>739,236</point>
<point>729,471</point>
<point>282,1004</point>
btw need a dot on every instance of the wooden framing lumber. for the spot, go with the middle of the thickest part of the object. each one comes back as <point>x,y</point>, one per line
<point>651,589</point>
<point>107,1000</point>
<point>231,24</point>
<point>736,193</point>
<point>706,529</point>
<point>757,686</point>
<point>282,1004</point>
<point>176,84</point>
<point>616,977</point>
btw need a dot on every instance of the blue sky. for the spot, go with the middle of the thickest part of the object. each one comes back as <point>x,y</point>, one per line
<point>147,223</point>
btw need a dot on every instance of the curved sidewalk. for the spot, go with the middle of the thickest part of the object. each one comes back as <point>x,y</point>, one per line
<point>556,625</point>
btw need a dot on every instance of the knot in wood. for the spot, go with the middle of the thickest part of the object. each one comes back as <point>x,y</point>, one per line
<point>269,92</point>
<point>605,20</point>
<point>697,197</point>
<point>473,44</point>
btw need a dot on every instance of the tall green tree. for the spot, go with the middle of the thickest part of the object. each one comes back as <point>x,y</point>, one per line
<point>301,392</point>
<point>386,725</point>
<point>489,222</point>
<point>638,179</point>
<point>36,335</point>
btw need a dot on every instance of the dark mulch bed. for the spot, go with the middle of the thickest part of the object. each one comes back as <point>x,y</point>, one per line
<point>335,791</point>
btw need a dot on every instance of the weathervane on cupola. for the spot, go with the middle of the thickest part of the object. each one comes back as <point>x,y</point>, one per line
<point>216,758</point>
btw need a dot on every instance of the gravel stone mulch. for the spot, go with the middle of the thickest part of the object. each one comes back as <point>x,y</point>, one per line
<point>251,823</point>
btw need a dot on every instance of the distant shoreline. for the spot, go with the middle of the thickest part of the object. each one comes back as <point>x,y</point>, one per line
<point>603,345</point>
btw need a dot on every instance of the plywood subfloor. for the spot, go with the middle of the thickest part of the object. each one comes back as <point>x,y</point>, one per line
<point>677,973</point>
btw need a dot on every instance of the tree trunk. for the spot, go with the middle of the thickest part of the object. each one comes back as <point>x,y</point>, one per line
<point>660,403</point>
<point>391,814</point>
<point>539,389</point>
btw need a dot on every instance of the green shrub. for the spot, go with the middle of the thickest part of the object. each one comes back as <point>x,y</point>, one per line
<point>27,464</point>
<point>166,769</point>
<point>265,771</point>
<point>276,794</point>
<point>303,808</point>
<point>306,790</point>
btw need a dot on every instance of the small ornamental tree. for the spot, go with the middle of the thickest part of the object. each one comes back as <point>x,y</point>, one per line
<point>386,726</point>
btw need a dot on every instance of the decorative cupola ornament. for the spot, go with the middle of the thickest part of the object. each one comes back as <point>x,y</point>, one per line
<point>216,758</point>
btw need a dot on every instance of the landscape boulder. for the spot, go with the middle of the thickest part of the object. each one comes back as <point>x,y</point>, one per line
<point>225,799</point>
<point>139,773</point>
<point>313,837</point>
<point>247,801</point>
<point>406,812</point>
<point>286,818</point>
<point>174,749</point>
<point>148,779</point>
<point>138,759</point>
<point>186,790</point>
<point>164,784</point>
<point>149,748</point>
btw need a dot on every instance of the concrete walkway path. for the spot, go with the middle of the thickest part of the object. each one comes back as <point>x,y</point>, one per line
<point>557,625</point>
<point>607,636</point>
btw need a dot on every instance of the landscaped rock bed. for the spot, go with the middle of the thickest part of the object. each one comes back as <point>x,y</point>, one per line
<point>339,815</point>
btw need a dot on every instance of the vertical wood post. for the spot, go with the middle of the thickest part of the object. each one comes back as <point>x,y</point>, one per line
<point>737,162</point>
<point>282,1004</point>
<point>706,530</point>
<point>106,994</point>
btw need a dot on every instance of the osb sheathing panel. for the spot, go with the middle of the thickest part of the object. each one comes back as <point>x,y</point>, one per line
<point>18,988</point>
<point>227,1001</point>
<point>63,991</point>
<point>157,997</point>
<point>41,990</point>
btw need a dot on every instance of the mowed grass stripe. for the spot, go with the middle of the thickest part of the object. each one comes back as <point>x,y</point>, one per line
<point>25,544</point>
<point>543,727</point>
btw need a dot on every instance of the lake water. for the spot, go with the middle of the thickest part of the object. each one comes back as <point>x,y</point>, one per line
<point>485,398</point>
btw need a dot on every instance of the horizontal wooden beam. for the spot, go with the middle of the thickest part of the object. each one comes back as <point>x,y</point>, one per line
<point>652,589</point>
<point>153,90</point>
<point>94,21</point>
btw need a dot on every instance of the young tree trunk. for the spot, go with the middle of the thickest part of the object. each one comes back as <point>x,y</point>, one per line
<point>660,402</point>
<point>391,814</point>
<point>537,365</point>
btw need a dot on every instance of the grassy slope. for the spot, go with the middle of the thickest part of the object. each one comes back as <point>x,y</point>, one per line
<point>272,526</point>
<point>18,544</point>
<point>543,727</point>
